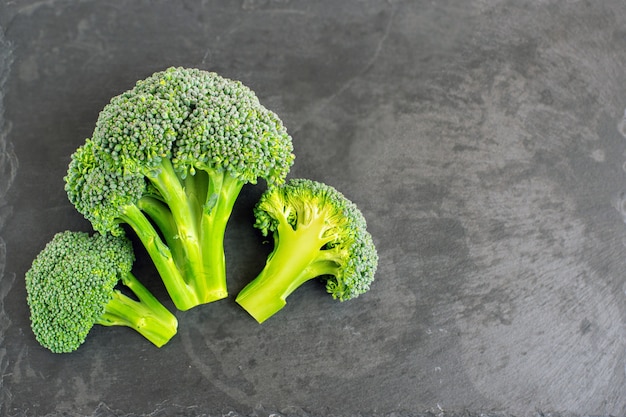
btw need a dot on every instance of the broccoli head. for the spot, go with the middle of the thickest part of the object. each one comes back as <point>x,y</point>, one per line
<point>174,152</point>
<point>78,280</point>
<point>318,233</point>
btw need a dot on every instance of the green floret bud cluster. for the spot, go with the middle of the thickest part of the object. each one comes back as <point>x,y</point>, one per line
<point>98,193</point>
<point>167,161</point>
<point>137,130</point>
<point>70,283</point>
<point>228,129</point>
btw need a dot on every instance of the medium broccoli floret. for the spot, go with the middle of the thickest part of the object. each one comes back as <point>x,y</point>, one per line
<point>317,232</point>
<point>76,281</point>
<point>107,198</point>
<point>187,140</point>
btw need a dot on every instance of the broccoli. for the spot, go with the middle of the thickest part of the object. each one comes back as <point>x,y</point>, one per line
<point>169,158</point>
<point>317,232</point>
<point>78,280</point>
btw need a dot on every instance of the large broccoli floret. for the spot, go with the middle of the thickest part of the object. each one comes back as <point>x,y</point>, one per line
<point>177,149</point>
<point>228,140</point>
<point>317,232</point>
<point>76,281</point>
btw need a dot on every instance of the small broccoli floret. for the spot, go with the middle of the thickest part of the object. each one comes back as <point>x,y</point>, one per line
<point>317,232</point>
<point>176,151</point>
<point>76,281</point>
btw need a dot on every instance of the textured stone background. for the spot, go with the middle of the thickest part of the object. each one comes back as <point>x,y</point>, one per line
<point>481,140</point>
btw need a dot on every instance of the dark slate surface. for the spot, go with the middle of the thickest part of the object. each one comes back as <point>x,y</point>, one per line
<point>481,140</point>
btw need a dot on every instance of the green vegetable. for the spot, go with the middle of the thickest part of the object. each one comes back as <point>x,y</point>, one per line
<point>169,158</point>
<point>76,281</point>
<point>317,232</point>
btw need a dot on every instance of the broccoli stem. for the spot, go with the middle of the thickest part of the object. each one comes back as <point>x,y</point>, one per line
<point>160,214</point>
<point>181,293</point>
<point>222,192</point>
<point>146,315</point>
<point>196,186</point>
<point>184,213</point>
<point>293,261</point>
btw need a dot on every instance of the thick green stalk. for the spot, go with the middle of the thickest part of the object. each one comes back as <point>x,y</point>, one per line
<point>147,315</point>
<point>222,194</point>
<point>160,214</point>
<point>181,293</point>
<point>184,212</point>
<point>290,265</point>
<point>196,187</point>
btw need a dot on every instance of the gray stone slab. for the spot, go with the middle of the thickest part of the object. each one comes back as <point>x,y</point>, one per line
<point>480,138</point>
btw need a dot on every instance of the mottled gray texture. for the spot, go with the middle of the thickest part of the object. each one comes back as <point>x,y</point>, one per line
<point>480,138</point>
<point>8,170</point>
